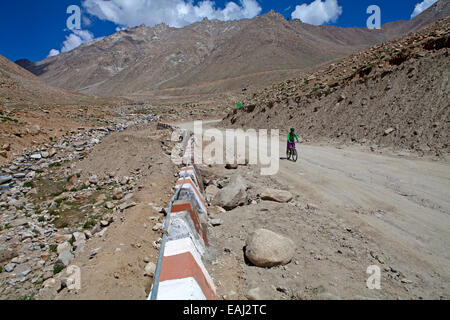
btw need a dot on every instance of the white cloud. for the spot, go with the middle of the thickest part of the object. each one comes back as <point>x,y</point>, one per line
<point>175,13</point>
<point>75,39</point>
<point>53,53</point>
<point>318,12</point>
<point>422,6</point>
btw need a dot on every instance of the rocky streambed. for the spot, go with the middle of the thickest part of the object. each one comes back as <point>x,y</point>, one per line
<point>49,209</point>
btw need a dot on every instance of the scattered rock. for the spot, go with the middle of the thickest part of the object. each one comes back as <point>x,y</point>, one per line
<point>117,194</point>
<point>65,246</point>
<point>51,152</point>
<point>109,205</point>
<point>211,191</point>
<point>49,283</point>
<point>64,259</point>
<point>7,254</point>
<point>233,195</point>
<point>254,294</point>
<point>265,248</point>
<point>388,131</point>
<point>276,195</point>
<point>10,267</point>
<point>216,222</point>
<point>150,269</point>
<point>126,205</point>
<point>77,236</point>
<point>406,281</point>
<point>5,179</point>
<point>104,223</point>
<point>311,206</point>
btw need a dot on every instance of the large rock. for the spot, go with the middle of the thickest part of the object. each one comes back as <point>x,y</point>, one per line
<point>10,267</point>
<point>7,254</point>
<point>65,246</point>
<point>64,259</point>
<point>265,248</point>
<point>233,195</point>
<point>231,166</point>
<point>211,191</point>
<point>77,236</point>
<point>18,222</point>
<point>276,195</point>
<point>150,269</point>
<point>5,179</point>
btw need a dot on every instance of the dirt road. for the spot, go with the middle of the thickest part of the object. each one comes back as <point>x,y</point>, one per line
<point>400,206</point>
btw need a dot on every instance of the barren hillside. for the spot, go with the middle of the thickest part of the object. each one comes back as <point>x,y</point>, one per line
<point>395,94</point>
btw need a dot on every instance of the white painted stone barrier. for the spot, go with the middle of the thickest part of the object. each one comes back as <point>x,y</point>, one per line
<point>182,274</point>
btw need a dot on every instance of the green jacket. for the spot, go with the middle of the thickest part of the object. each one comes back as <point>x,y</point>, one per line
<point>291,137</point>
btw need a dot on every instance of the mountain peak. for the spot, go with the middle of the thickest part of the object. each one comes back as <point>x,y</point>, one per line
<point>273,14</point>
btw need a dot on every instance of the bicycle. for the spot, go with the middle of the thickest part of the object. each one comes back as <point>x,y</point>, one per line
<point>292,152</point>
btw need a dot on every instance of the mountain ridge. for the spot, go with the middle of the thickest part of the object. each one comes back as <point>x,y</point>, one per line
<point>147,61</point>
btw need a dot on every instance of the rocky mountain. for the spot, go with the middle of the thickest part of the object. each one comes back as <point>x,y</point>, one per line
<point>395,94</point>
<point>19,86</point>
<point>210,56</point>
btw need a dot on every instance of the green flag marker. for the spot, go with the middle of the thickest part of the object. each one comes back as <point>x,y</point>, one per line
<point>239,105</point>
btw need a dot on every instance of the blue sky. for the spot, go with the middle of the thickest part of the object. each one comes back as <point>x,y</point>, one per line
<point>31,28</point>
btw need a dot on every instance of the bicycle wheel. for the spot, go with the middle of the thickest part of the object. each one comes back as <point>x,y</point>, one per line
<point>295,155</point>
<point>289,154</point>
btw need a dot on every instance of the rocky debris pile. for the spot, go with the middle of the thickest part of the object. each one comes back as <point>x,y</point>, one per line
<point>43,237</point>
<point>49,211</point>
<point>232,195</point>
<point>70,147</point>
<point>265,248</point>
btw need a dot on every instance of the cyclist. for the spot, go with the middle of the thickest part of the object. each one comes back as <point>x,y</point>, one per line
<point>291,140</point>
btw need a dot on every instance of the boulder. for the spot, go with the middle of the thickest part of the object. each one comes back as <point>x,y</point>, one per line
<point>232,195</point>
<point>77,236</point>
<point>109,205</point>
<point>18,222</point>
<point>231,166</point>
<point>64,259</point>
<point>7,254</point>
<point>276,195</point>
<point>211,191</point>
<point>65,246</point>
<point>10,267</point>
<point>51,152</point>
<point>117,194</point>
<point>5,179</point>
<point>216,222</point>
<point>265,248</point>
